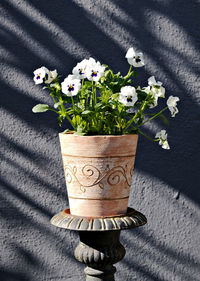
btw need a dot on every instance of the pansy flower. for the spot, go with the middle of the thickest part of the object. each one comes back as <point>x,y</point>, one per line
<point>135,59</point>
<point>171,103</point>
<point>162,136</point>
<point>147,89</point>
<point>40,74</point>
<point>71,85</point>
<point>94,70</point>
<point>51,76</point>
<point>152,82</point>
<point>80,69</point>
<point>128,96</point>
<point>157,90</point>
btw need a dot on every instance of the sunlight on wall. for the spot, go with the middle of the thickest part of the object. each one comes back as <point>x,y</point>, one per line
<point>109,19</point>
<point>175,46</point>
<point>62,38</point>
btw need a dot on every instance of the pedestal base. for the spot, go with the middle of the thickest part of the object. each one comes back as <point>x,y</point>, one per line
<point>99,246</point>
<point>107,274</point>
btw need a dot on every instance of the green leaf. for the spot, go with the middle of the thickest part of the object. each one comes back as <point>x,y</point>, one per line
<point>108,73</point>
<point>141,95</point>
<point>117,74</point>
<point>60,120</point>
<point>40,108</point>
<point>56,105</point>
<point>79,134</point>
<point>67,131</point>
<point>163,119</point>
<point>115,96</point>
<point>114,83</point>
<point>87,84</point>
<point>66,99</point>
<point>133,74</point>
<point>79,131</point>
<point>86,112</point>
<point>98,105</point>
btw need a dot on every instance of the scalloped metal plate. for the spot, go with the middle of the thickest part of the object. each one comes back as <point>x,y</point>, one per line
<point>131,219</point>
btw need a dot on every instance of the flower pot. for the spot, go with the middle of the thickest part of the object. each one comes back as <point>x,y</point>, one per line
<point>98,172</point>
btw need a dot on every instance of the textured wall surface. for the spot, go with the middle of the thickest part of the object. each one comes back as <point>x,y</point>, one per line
<point>166,184</point>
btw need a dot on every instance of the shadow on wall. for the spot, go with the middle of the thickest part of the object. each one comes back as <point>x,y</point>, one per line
<point>161,255</point>
<point>35,33</point>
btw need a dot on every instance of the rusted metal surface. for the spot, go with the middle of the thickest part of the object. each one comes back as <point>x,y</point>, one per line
<point>99,251</point>
<point>131,219</point>
<point>99,247</point>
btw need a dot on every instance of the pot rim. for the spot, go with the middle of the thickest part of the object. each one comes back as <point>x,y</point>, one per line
<point>98,136</point>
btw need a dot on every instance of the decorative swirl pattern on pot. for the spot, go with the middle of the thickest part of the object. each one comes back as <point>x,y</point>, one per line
<point>114,176</point>
<point>94,177</point>
<point>69,171</point>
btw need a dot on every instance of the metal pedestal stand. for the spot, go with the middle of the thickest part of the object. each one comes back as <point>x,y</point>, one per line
<point>99,246</point>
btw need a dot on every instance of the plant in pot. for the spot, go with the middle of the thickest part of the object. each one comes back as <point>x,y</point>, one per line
<point>105,112</point>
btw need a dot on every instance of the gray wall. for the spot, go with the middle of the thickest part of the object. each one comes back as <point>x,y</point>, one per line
<point>166,185</point>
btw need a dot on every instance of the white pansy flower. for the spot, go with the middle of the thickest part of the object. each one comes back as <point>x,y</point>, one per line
<point>51,76</point>
<point>154,102</point>
<point>40,74</point>
<point>135,59</point>
<point>157,90</point>
<point>71,85</point>
<point>156,87</point>
<point>171,103</point>
<point>80,69</point>
<point>157,93</point>
<point>162,136</point>
<point>128,96</point>
<point>147,89</point>
<point>152,82</point>
<point>94,70</point>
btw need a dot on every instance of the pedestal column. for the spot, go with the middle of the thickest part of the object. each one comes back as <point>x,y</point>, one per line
<point>99,251</point>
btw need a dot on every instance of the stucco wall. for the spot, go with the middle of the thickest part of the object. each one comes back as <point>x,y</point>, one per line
<point>166,186</point>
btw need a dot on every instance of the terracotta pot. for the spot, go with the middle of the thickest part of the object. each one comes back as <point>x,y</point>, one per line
<point>98,172</point>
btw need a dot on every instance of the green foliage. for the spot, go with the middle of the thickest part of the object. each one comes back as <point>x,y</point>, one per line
<point>40,108</point>
<point>164,119</point>
<point>96,109</point>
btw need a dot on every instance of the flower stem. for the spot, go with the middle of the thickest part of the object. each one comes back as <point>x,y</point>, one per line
<point>54,110</point>
<point>156,115</point>
<point>142,108</point>
<point>149,138</point>
<point>73,104</point>
<point>68,118</point>
<point>129,72</point>
<point>52,95</point>
<point>53,98</point>
<point>61,107</point>
<point>64,112</point>
<point>82,88</point>
<point>95,95</point>
<point>127,75</point>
